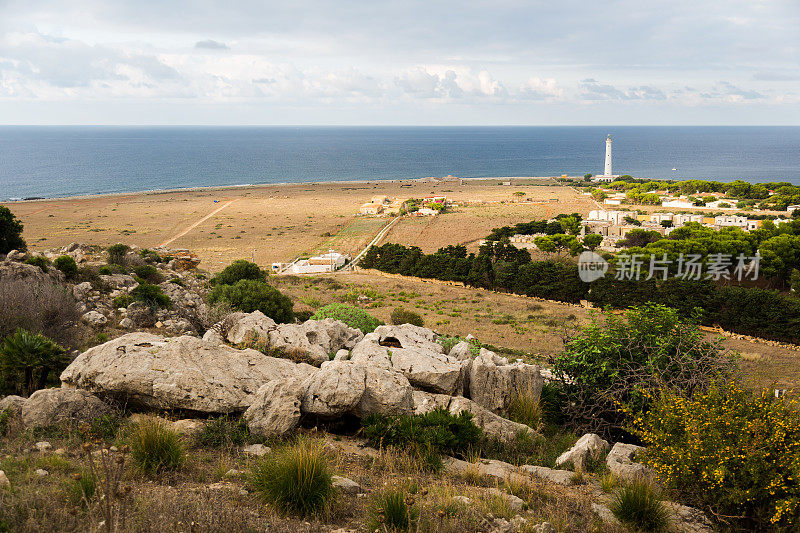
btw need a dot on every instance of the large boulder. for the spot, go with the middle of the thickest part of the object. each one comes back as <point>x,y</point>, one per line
<point>590,446</point>
<point>318,339</point>
<point>177,373</point>
<point>50,407</point>
<point>250,327</point>
<point>275,409</point>
<point>493,425</point>
<point>494,383</point>
<point>335,390</point>
<point>411,350</point>
<point>94,318</point>
<point>385,392</point>
<point>120,282</point>
<point>12,403</point>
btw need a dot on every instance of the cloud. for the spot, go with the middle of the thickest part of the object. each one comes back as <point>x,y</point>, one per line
<point>541,89</point>
<point>210,44</point>
<point>591,89</point>
<point>731,93</point>
<point>768,75</point>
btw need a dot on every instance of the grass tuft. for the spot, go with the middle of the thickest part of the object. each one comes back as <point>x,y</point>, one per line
<point>393,509</point>
<point>296,479</point>
<point>156,448</point>
<point>637,505</point>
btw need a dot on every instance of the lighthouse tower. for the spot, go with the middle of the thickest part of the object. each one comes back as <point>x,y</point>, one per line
<point>608,156</point>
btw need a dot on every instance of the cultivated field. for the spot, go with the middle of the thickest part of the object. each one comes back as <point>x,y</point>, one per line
<point>280,222</point>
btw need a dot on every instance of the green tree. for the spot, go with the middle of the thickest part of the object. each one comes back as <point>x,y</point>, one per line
<point>27,359</point>
<point>570,225</point>
<point>239,270</point>
<point>250,295</point>
<point>10,232</point>
<point>592,241</point>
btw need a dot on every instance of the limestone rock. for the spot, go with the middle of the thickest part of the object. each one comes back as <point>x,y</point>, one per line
<point>413,351</point>
<point>688,519</point>
<point>492,424</point>
<point>588,446</point>
<point>342,355</point>
<point>119,281</point>
<point>258,450</point>
<point>188,426</point>
<point>126,323</point>
<point>335,390</point>
<point>14,403</point>
<point>251,327</point>
<point>157,372</point>
<point>347,486</point>
<point>316,338</point>
<point>4,482</point>
<point>620,462</point>
<point>515,503</point>
<point>385,392</point>
<point>93,318</point>
<point>41,472</point>
<point>275,408</point>
<point>494,383</point>
<point>561,477</point>
<point>42,446</point>
<point>461,351</point>
<point>81,290</point>
<point>49,407</point>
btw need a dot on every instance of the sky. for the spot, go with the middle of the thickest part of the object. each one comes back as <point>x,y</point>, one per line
<point>410,62</point>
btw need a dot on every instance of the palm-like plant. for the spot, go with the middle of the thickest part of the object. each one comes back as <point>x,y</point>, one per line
<point>31,357</point>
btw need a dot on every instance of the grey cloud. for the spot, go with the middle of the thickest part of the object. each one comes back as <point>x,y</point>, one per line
<point>768,75</point>
<point>591,89</point>
<point>211,44</point>
<point>725,89</point>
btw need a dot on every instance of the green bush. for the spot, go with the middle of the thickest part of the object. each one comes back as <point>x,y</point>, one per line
<point>352,316</point>
<point>223,431</point>
<point>117,254</point>
<point>39,261</point>
<point>393,509</point>
<point>10,232</point>
<point>615,362</point>
<point>150,256</point>
<point>27,361</point>
<point>149,273</point>
<point>105,270</point>
<point>442,431</point>
<point>636,504</point>
<point>728,450</point>
<point>237,271</point>
<point>404,316</point>
<point>295,479</point>
<point>123,300</point>
<point>303,315</point>
<point>152,295</point>
<point>250,295</point>
<point>156,448</point>
<point>67,265</point>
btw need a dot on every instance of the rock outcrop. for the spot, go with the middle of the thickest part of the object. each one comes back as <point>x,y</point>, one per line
<point>318,339</point>
<point>177,373</point>
<point>588,447</point>
<point>50,407</point>
<point>494,382</point>
<point>620,462</point>
<point>275,409</point>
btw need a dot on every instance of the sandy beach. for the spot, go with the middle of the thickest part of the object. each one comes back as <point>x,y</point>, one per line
<point>272,223</point>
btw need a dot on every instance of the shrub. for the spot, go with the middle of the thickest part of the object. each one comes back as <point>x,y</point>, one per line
<point>303,315</point>
<point>149,273</point>
<point>67,265</point>
<point>156,448</point>
<point>223,431</point>
<point>105,270</point>
<point>525,409</point>
<point>637,505</point>
<point>614,363</point>
<point>393,508</point>
<point>439,429</point>
<point>39,261</point>
<point>39,307</point>
<point>295,479</point>
<point>28,359</point>
<point>117,254</point>
<point>250,295</point>
<point>150,256</point>
<point>352,316</point>
<point>10,232</point>
<point>728,450</point>
<point>237,271</point>
<point>152,295</point>
<point>404,316</point>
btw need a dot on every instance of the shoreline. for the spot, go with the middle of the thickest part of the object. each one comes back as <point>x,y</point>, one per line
<point>244,186</point>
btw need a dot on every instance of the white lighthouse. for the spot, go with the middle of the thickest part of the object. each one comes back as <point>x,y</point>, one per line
<point>607,175</point>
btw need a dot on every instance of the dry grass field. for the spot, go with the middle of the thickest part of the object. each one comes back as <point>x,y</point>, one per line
<point>279,222</point>
<point>522,325</point>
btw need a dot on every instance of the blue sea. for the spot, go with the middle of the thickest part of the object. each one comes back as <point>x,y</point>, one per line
<point>66,161</point>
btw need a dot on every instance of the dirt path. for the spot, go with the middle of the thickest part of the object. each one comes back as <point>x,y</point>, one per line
<point>197,223</point>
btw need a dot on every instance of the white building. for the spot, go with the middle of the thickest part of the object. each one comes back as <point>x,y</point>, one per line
<point>658,218</point>
<point>319,264</point>
<point>726,221</point>
<point>615,217</point>
<point>612,201</point>
<point>793,208</point>
<point>681,219</point>
<point>607,175</point>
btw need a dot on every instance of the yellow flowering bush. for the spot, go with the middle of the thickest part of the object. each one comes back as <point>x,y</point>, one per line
<point>728,450</point>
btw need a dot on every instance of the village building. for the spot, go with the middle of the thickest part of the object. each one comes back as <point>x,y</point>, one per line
<point>328,262</point>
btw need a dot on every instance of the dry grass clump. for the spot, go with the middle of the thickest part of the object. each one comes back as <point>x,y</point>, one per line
<point>637,504</point>
<point>525,408</point>
<point>295,479</point>
<point>155,447</point>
